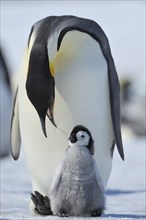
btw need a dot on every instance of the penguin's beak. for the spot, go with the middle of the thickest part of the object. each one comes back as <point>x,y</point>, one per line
<point>51,109</point>
<point>43,119</point>
<point>51,116</point>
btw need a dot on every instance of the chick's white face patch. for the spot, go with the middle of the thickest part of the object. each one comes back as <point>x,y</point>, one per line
<point>82,139</point>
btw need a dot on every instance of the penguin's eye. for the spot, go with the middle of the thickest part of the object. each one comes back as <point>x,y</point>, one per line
<point>82,136</point>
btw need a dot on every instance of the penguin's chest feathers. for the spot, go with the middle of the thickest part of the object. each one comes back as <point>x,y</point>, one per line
<point>78,166</point>
<point>78,182</point>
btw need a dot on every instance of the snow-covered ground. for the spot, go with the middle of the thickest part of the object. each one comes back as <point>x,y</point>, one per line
<point>125,194</point>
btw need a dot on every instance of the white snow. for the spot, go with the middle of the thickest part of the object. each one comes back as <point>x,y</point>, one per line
<point>125,194</point>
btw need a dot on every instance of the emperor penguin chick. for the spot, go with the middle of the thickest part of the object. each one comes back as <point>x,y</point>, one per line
<point>77,189</point>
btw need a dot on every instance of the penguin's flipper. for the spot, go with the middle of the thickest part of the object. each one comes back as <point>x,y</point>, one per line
<point>15,129</point>
<point>115,105</point>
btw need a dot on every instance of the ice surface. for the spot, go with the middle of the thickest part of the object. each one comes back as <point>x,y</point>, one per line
<point>125,194</point>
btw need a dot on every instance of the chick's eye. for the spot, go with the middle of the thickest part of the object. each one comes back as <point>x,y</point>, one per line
<point>82,136</point>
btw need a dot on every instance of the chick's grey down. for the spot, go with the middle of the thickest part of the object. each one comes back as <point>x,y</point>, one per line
<point>77,187</point>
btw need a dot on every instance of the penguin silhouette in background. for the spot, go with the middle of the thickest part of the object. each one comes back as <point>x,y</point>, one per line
<point>6,106</point>
<point>68,75</point>
<point>76,188</point>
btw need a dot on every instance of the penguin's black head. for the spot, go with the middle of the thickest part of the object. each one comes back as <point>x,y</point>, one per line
<point>40,85</point>
<point>81,136</point>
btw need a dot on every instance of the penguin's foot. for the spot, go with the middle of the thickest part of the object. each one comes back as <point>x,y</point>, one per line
<point>62,213</point>
<point>97,212</point>
<point>42,203</point>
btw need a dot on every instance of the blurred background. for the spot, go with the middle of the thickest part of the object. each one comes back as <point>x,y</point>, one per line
<point>124,25</point>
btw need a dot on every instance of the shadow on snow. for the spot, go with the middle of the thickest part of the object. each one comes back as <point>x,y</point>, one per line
<point>123,216</point>
<point>114,192</point>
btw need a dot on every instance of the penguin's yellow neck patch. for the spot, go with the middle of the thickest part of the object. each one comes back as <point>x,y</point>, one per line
<point>52,68</point>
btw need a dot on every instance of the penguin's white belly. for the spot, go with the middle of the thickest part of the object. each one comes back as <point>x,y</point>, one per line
<point>82,82</point>
<point>81,97</point>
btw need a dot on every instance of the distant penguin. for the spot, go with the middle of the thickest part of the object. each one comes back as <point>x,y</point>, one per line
<point>5,105</point>
<point>76,189</point>
<point>67,74</point>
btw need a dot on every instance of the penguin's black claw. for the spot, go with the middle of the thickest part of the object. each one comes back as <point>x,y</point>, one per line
<point>39,197</point>
<point>42,204</point>
<point>97,213</point>
<point>34,199</point>
<point>63,213</point>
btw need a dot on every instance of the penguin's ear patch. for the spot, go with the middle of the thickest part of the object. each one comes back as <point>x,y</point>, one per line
<point>91,145</point>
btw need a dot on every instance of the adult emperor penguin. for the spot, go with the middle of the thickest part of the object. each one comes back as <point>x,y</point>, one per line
<point>69,75</point>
